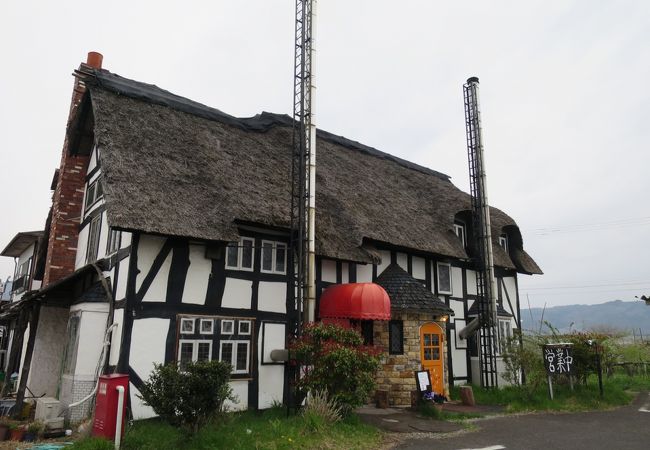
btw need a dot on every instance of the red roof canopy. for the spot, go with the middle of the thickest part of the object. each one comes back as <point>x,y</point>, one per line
<point>367,301</point>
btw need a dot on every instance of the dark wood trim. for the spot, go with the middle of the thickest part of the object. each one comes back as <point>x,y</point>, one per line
<point>130,303</point>
<point>339,272</point>
<point>409,263</point>
<point>427,275</point>
<point>154,269</point>
<point>91,215</point>
<point>263,328</point>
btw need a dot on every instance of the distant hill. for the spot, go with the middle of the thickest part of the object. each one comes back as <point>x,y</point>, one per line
<point>618,315</point>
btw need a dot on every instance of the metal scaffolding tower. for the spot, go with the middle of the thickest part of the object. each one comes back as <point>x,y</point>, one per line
<point>482,236</point>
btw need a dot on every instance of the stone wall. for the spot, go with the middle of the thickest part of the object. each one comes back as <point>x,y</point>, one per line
<point>396,372</point>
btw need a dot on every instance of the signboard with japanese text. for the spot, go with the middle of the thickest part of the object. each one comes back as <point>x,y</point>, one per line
<point>558,359</point>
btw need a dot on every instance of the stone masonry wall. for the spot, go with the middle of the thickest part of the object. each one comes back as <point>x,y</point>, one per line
<point>396,373</point>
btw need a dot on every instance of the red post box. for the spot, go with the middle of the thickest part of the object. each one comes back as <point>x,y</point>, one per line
<point>106,402</point>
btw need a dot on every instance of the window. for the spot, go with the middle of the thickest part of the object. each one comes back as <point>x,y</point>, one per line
<point>444,278</point>
<point>236,353</point>
<point>367,331</point>
<point>505,333</point>
<point>94,192</point>
<point>93,239</point>
<point>193,351</point>
<point>459,229</point>
<point>187,326</point>
<point>207,326</point>
<point>395,337</point>
<point>503,242</point>
<point>227,327</point>
<point>274,257</point>
<point>244,327</point>
<point>239,255</point>
<point>70,355</point>
<point>114,241</point>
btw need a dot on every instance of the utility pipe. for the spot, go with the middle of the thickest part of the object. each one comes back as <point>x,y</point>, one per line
<point>120,415</point>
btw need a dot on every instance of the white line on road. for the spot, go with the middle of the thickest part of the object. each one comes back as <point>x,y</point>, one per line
<point>492,447</point>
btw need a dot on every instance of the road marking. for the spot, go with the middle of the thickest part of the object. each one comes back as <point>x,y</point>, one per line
<point>492,447</point>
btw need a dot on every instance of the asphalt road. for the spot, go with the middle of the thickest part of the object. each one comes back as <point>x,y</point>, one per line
<point>619,429</point>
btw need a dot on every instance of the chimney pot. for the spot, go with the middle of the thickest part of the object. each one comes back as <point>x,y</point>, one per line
<point>95,60</point>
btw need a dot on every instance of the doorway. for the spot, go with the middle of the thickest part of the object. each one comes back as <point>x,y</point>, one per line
<point>431,354</point>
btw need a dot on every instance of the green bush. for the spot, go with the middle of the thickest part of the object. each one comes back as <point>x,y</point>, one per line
<point>335,360</point>
<point>190,397</point>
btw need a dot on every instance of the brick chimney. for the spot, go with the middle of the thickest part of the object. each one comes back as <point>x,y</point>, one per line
<point>67,199</point>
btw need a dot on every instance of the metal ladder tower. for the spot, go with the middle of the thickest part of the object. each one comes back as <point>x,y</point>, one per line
<point>485,284</point>
<point>303,179</point>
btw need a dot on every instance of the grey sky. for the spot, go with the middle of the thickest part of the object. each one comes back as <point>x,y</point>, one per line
<point>564,95</point>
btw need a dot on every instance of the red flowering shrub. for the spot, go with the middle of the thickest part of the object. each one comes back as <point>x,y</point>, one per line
<point>335,360</point>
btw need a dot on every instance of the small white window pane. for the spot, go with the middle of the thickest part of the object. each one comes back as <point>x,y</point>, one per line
<point>187,326</point>
<point>231,255</point>
<point>267,256</point>
<point>247,254</point>
<point>244,327</point>
<point>207,326</point>
<point>185,353</point>
<point>203,353</point>
<point>226,352</point>
<point>227,326</point>
<point>280,258</point>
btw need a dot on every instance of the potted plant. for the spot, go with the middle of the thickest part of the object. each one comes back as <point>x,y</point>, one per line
<point>16,432</point>
<point>33,430</point>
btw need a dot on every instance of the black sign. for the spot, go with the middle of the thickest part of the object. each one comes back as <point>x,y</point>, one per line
<point>558,359</point>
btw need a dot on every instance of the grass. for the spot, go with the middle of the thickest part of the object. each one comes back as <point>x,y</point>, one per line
<point>617,391</point>
<point>270,429</point>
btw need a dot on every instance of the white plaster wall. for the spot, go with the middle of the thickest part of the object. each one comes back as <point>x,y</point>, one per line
<point>148,249</point>
<point>385,261</point>
<point>456,282</point>
<point>271,378</point>
<point>92,327</point>
<point>471,282</point>
<point>198,275</point>
<point>138,408</point>
<point>345,273</point>
<point>328,270</point>
<point>419,268</point>
<point>457,307</point>
<point>272,297</point>
<point>240,391</point>
<point>402,261</point>
<point>92,162</point>
<point>48,351</point>
<point>120,290</point>
<point>103,237</point>
<point>148,338</point>
<point>510,285</point>
<point>364,273</point>
<point>116,336</point>
<point>237,293</point>
<point>82,246</point>
<point>459,365</point>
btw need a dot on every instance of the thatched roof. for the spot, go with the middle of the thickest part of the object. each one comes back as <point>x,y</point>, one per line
<point>175,167</point>
<point>408,294</point>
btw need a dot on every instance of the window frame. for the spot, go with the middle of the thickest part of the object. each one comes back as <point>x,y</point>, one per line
<point>274,252</point>
<point>195,349</point>
<point>232,323</point>
<point>188,319</point>
<point>503,242</point>
<point>113,241</point>
<point>71,348</point>
<point>451,285</point>
<point>250,327</point>
<point>400,325</point>
<point>463,229</point>
<point>205,333</point>
<point>94,225</point>
<point>235,352</point>
<point>240,249</point>
<point>89,201</point>
<point>501,341</point>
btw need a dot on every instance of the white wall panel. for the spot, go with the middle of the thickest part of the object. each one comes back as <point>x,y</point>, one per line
<point>459,363</point>
<point>122,278</point>
<point>457,307</point>
<point>237,293</point>
<point>385,261</point>
<point>198,275</point>
<point>402,261</point>
<point>364,273</point>
<point>116,337</point>
<point>345,273</point>
<point>48,351</point>
<point>148,339</point>
<point>272,296</point>
<point>456,282</point>
<point>271,377</point>
<point>92,327</point>
<point>419,268</point>
<point>328,270</point>
<point>471,282</point>
<point>240,391</point>
<point>138,408</point>
<point>148,249</point>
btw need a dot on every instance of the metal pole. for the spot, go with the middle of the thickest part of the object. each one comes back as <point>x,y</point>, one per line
<point>550,387</point>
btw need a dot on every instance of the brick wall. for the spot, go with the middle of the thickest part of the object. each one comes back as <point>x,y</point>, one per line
<point>396,374</point>
<point>67,203</point>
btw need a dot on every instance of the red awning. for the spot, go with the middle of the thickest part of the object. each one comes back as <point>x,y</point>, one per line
<point>367,301</point>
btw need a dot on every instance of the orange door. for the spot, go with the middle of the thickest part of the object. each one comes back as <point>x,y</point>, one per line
<point>431,354</point>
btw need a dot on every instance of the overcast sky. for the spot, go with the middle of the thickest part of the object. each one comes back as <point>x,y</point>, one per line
<point>564,96</point>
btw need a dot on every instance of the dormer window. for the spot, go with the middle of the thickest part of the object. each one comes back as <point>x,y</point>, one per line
<point>503,242</point>
<point>461,232</point>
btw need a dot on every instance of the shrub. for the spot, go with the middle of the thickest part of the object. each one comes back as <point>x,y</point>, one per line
<point>190,397</point>
<point>335,360</point>
<point>321,411</point>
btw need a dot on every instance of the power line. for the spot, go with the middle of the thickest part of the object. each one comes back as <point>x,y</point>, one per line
<point>592,226</point>
<point>577,286</point>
